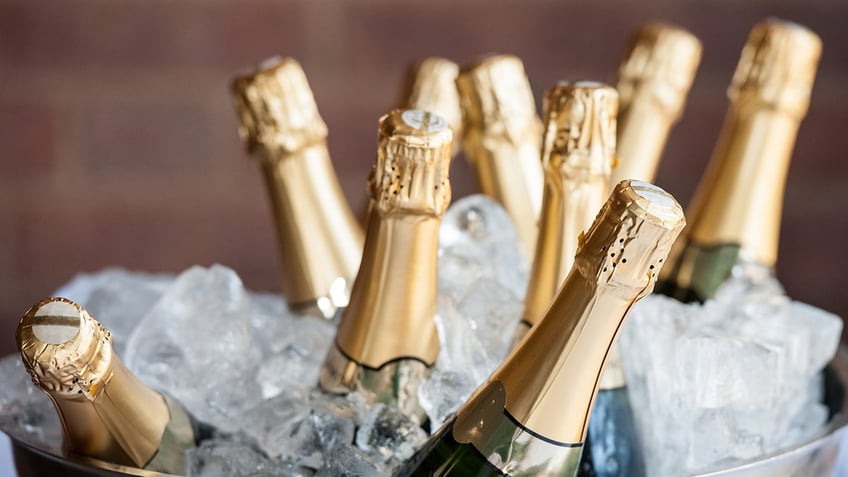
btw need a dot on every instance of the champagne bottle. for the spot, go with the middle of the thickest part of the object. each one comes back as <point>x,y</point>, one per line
<point>431,86</point>
<point>530,417</point>
<point>653,81</point>
<point>502,139</point>
<point>319,239</point>
<point>736,209</point>
<point>577,148</point>
<point>106,412</point>
<point>386,342</point>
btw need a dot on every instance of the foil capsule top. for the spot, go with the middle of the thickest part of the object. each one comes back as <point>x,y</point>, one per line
<point>64,349</point>
<point>580,133</point>
<point>496,98</point>
<point>410,174</point>
<point>777,67</point>
<point>276,107</point>
<point>660,61</point>
<point>631,237</point>
<point>431,86</point>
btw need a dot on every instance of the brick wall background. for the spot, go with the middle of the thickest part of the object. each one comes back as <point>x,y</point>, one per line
<point>118,141</point>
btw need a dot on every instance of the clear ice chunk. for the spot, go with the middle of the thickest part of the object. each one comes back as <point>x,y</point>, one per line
<point>226,458</point>
<point>477,239</point>
<point>197,345</point>
<point>722,383</point>
<point>26,413</point>
<point>442,394</point>
<point>347,461</point>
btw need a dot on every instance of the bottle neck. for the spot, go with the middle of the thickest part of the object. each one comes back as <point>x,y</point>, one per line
<point>393,303</point>
<point>740,199</point>
<point>320,241</point>
<point>123,424</point>
<point>643,128</point>
<point>571,202</point>
<point>551,378</point>
<point>510,171</point>
<point>735,213</point>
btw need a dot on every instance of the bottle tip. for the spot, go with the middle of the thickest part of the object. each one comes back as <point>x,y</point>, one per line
<point>54,321</point>
<point>276,107</point>
<point>63,348</point>
<point>651,202</point>
<point>416,127</point>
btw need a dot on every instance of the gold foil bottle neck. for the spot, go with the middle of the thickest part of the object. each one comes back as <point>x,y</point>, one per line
<point>319,240</point>
<point>496,97</point>
<point>502,138</point>
<point>550,380</point>
<point>276,108</point>
<point>431,86</point>
<point>106,412</point>
<point>393,303</point>
<point>579,128</point>
<point>578,149</point>
<point>737,205</point>
<point>64,349</point>
<point>413,160</point>
<point>777,67</point>
<point>660,62</point>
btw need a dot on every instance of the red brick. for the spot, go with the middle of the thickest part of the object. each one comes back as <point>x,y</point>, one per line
<point>81,33</point>
<point>27,136</point>
<point>122,139</point>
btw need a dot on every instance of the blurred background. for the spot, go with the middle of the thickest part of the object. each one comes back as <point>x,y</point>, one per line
<point>118,141</point>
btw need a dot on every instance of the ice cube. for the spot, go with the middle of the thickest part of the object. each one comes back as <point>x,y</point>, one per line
<point>388,432</point>
<point>227,457</point>
<point>442,394</point>
<point>347,461</point>
<point>725,382</point>
<point>26,413</point>
<point>197,345</point>
<point>477,239</point>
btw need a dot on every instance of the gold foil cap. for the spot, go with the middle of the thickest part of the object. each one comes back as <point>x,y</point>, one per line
<point>413,160</point>
<point>580,122</point>
<point>661,61</point>
<point>277,108</point>
<point>431,86</point>
<point>777,67</point>
<point>496,98</point>
<point>64,349</point>
<point>631,237</point>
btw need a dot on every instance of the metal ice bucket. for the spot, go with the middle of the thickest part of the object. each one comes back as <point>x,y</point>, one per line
<point>814,458</point>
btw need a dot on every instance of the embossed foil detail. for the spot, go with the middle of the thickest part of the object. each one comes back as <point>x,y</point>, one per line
<point>502,139</point>
<point>579,145</point>
<point>653,81</point>
<point>579,128</point>
<point>552,376</point>
<point>413,160</point>
<point>81,365</point>
<point>277,110</point>
<point>777,67</point>
<point>659,63</point>
<point>431,86</point>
